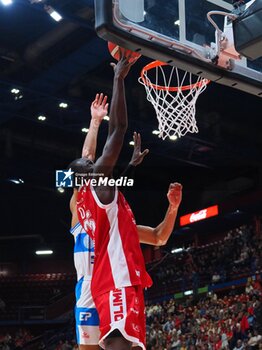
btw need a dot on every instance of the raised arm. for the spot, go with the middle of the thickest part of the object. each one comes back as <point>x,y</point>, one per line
<point>137,156</point>
<point>99,110</point>
<point>116,132</point>
<point>159,235</point>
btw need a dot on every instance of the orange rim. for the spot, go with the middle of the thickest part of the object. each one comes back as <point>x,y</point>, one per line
<point>155,64</point>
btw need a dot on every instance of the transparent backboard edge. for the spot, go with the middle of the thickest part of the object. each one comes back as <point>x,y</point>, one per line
<point>107,30</point>
<point>185,46</point>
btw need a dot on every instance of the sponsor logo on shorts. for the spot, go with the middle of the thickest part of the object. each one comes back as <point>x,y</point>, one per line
<point>134,311</point>
<point>136,327</point>
<point>84,316</point>
<point>85,335</point>
<point>138,273</point>
<point>118,309</point>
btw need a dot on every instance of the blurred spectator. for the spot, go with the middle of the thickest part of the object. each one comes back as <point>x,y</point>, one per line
<point>249,288</point>
<point>257,288</point>
<point>215,278</point>
<point>255,339</point>
<point>2,305</point>
<point>239,345</point>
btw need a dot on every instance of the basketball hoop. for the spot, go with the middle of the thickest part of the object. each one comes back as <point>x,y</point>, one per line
<point>175,106</point>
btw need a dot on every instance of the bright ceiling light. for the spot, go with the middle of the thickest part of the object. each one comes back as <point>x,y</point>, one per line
<point>61,190</point>
<point>17,181</point>
<point>53,13</point>
<point>177,250</point>
<point>155,132</point>
<point>173,138</point>
<point>41,118</point>
<point>85,130</point>
<point>14,181</point>
<point>63,105</point>
<point>131,143</point>
<point>188,292</point>
<point>56,16</point>
<point>44,252</point>
<point>7,2</point>
<point>106,117</point>
<point>18,97</point>
<point>15,91</point>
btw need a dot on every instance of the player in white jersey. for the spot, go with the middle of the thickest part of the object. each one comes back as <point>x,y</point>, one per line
<point>87,322</point>
<point>86,317</point>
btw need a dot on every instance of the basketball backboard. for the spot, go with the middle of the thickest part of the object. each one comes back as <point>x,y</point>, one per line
<point>179,33</point>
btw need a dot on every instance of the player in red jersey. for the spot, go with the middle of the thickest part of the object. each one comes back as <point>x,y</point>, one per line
<point>119,271</point>
<point>86,318</point>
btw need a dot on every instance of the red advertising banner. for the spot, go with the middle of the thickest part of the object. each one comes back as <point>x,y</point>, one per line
<point>199,215</point>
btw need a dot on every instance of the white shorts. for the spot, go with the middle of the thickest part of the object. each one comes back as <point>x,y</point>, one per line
<point>86,316</point>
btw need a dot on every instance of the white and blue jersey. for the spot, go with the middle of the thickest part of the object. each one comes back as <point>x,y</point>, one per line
<point>87,321</point>
<point>84,253</point>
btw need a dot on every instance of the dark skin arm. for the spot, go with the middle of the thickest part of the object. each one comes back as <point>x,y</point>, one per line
<point>116,132</point>
<point>137,156</point>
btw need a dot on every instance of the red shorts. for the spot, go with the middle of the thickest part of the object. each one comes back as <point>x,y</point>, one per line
<point>123,309</point>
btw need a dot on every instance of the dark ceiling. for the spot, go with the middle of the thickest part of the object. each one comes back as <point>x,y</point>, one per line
<point>52,62</point>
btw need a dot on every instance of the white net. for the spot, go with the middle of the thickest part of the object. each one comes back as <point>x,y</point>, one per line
<point>175,106</point>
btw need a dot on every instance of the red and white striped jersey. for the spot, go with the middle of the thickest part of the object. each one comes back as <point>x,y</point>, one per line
<point>119,261</point>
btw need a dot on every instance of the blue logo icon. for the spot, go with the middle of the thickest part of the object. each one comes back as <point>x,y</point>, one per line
<point>64,178</point>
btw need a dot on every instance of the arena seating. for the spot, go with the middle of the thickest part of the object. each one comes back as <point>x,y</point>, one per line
<point>215,323</point>
<point>15,340</point>
<point>210,323</point>
<point>35,291</point>
<point>202,322</point>
<point>238,254</point>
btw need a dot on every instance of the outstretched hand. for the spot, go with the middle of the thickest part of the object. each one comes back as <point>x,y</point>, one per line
<point>138,156</point>
<point>99,107</point>
<point>124,64</point>
<point>174,194</point>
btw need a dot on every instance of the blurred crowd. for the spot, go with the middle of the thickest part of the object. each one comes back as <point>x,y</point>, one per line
<point>238,254</point>
<point>17,340</point>
<point>22,339</point>
<point>231,323</point>
<point>66,345</point>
